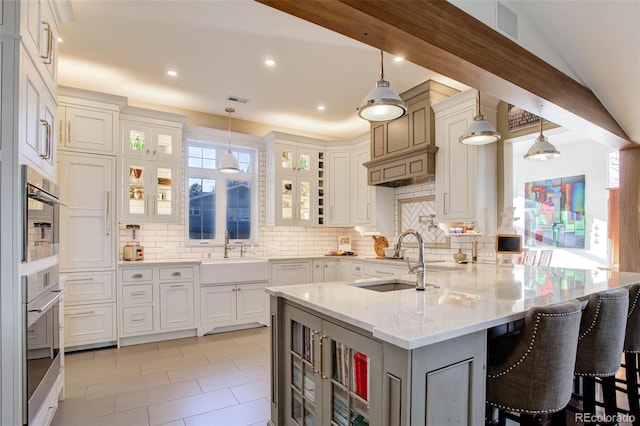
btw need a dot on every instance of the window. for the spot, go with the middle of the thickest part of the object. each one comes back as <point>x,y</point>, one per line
<point>219,201</point>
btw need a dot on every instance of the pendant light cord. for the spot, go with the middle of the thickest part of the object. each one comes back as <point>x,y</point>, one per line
<point>381,65</point>
<point>229,110</point>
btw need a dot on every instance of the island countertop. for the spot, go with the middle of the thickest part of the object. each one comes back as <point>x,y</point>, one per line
<point>467,298</point>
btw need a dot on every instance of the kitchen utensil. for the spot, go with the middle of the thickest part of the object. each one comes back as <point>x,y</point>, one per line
<point>380,243</point>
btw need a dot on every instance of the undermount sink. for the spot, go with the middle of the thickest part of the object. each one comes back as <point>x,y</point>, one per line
<point>391,285</point>
<point>234,270</point>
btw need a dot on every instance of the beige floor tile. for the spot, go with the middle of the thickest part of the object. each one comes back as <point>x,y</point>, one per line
<point>75,393</point>
<point>77,412</point>
<point>127,385</point>
<point>209,346</point>
<point>164,364</point>
<point>253,359</point>
<point>190,406</point>
<point>174,423</point>
<point>237,415</point>
<point>190,373</point>
<point>235,378</point>
<point>137,417</point>
<point>187,341</point>
<point>87,375</point>
<point>156,395</point>
<point>139,357</point>
<point>252,391</point>
<point>229,351</point>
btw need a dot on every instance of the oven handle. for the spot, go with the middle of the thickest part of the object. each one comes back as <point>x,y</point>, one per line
<point>54,300</point>
<point>42,196</point>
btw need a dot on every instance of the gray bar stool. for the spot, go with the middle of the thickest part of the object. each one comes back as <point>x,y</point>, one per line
<point>531,373</point>
<point>602,331</point>
<point>631,351</point>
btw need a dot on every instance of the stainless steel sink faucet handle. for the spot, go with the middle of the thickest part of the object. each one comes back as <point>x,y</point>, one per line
<point>419,269</point>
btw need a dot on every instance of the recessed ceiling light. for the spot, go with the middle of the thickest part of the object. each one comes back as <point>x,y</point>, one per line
<point>60,39</point>
<point>321,107</point>
<point>398,59</point>
<point>172,73</point>
<point>270,62</point>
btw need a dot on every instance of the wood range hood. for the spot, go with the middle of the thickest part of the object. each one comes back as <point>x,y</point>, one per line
<point>444,39</point>
<point>403,151</point>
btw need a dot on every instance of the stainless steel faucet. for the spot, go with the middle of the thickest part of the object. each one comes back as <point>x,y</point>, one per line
<point>226,245</point>
<point>419,269</point>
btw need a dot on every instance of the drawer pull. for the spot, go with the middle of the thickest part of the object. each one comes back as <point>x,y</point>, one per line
<point>177,286</point>
<point>138,275</point>
<point>79,313</point>
<point>137,319</point>
<point>358,268</point>
<point>137,293</point>
<point>80,279</point>
<point>176,274</point>
<point>384,273</point>
<point>292,265</point>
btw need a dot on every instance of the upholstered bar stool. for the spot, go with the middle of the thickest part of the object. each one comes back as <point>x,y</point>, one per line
<point>631,351</point>
<point>532,373</point>
<point>602,331</point>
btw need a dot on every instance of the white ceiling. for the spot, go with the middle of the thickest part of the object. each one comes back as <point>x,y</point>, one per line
<point>219,48</point>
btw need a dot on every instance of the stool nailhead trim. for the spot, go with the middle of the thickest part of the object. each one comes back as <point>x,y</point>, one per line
<point>595,318</point>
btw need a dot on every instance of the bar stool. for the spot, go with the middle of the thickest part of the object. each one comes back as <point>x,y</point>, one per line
<point>531,373</point>
<point>631,351</point>
<point>600,344</point>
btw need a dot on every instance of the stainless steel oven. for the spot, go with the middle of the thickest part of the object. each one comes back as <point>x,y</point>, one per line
<point>41,338</point>
<point>40,216</point>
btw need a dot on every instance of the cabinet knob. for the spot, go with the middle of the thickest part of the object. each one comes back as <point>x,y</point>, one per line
<point>136,276</point>
<point>176,274</point>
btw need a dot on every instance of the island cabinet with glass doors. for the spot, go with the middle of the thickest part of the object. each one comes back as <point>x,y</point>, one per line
<point>326,372</point>
<point>151,158</point>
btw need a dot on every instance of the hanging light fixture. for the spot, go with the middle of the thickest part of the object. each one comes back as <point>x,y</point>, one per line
<point>382,103</point>
<point>228,162</point>
<point>541,149</point>
<point>480,131</point>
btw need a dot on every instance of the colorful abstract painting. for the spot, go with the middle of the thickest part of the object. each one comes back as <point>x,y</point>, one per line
<point>554,212</point>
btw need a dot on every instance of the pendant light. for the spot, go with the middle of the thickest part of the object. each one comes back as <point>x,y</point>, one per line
<point>541,149</point>
<point>382,103</point>
<point>480,131</point>
<point>228,163</point>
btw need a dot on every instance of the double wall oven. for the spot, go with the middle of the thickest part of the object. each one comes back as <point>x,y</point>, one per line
<point>41,290</point>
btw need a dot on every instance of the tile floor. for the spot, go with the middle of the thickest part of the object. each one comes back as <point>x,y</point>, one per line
<point>219,379</point>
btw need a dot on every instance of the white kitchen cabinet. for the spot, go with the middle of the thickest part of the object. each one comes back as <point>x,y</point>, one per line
<point>371,206</point>
<point>356,269</point>
<point>155,299</point>
<point>294,272</point>
<point>39,36</point>
<point>377,270</point>
<point>233,304</point>
<point>466,176</point>
<point>88,325</point>
<point>152,154</point>
<point>37,120</point>
<point>339,188</point>
<point>176,305</point>
<point>331,270</point>
<point>295,180</point>
<point>88,223</point>
<point>149,191</point>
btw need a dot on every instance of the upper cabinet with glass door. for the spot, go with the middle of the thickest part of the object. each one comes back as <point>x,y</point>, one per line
<point>153,135</point>
<point>152,154</point>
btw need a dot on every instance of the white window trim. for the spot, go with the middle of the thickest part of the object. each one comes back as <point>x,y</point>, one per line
<point>219,138</point>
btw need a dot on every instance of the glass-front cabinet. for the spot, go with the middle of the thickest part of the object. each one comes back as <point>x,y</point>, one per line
<point>149,191</point>
<point>332,374</point>
<point>295,201</point>
<point>296,159</point>
<point>156,142</point>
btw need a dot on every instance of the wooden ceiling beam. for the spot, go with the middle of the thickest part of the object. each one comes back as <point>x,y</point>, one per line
<point>442,38</point>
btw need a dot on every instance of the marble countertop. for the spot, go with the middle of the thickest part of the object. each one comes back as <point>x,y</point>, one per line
<point>467,298</point>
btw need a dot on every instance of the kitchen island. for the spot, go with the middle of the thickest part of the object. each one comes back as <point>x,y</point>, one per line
<point>341,351</point>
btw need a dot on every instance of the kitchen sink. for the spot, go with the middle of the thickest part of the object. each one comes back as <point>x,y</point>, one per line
<point>391,285</point>
<point>234,270</point>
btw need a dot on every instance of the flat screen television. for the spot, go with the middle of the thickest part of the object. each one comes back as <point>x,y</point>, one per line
<point>508,244</point>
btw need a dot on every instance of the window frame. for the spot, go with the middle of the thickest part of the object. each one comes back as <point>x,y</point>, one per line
<point>219,142</point>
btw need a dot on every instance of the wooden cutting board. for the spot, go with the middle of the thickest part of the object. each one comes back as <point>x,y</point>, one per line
<point>380,244</point>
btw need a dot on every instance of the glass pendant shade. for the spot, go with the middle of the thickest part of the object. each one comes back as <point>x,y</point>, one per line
<point>542,149</point>
<point>480,131</point>
<point>228,162</point>
<point>382,103</point>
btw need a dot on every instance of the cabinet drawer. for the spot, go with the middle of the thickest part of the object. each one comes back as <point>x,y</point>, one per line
<point>137,275</point>
<point>89,324</point>
<point>137,293</point>
<point>373,270</point>
<point>176,273</point>
<point>356,268</point>
<point>90,287</point>
<point>137,319</point>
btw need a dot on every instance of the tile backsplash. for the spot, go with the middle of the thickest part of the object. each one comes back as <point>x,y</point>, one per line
<point>167,240</point>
